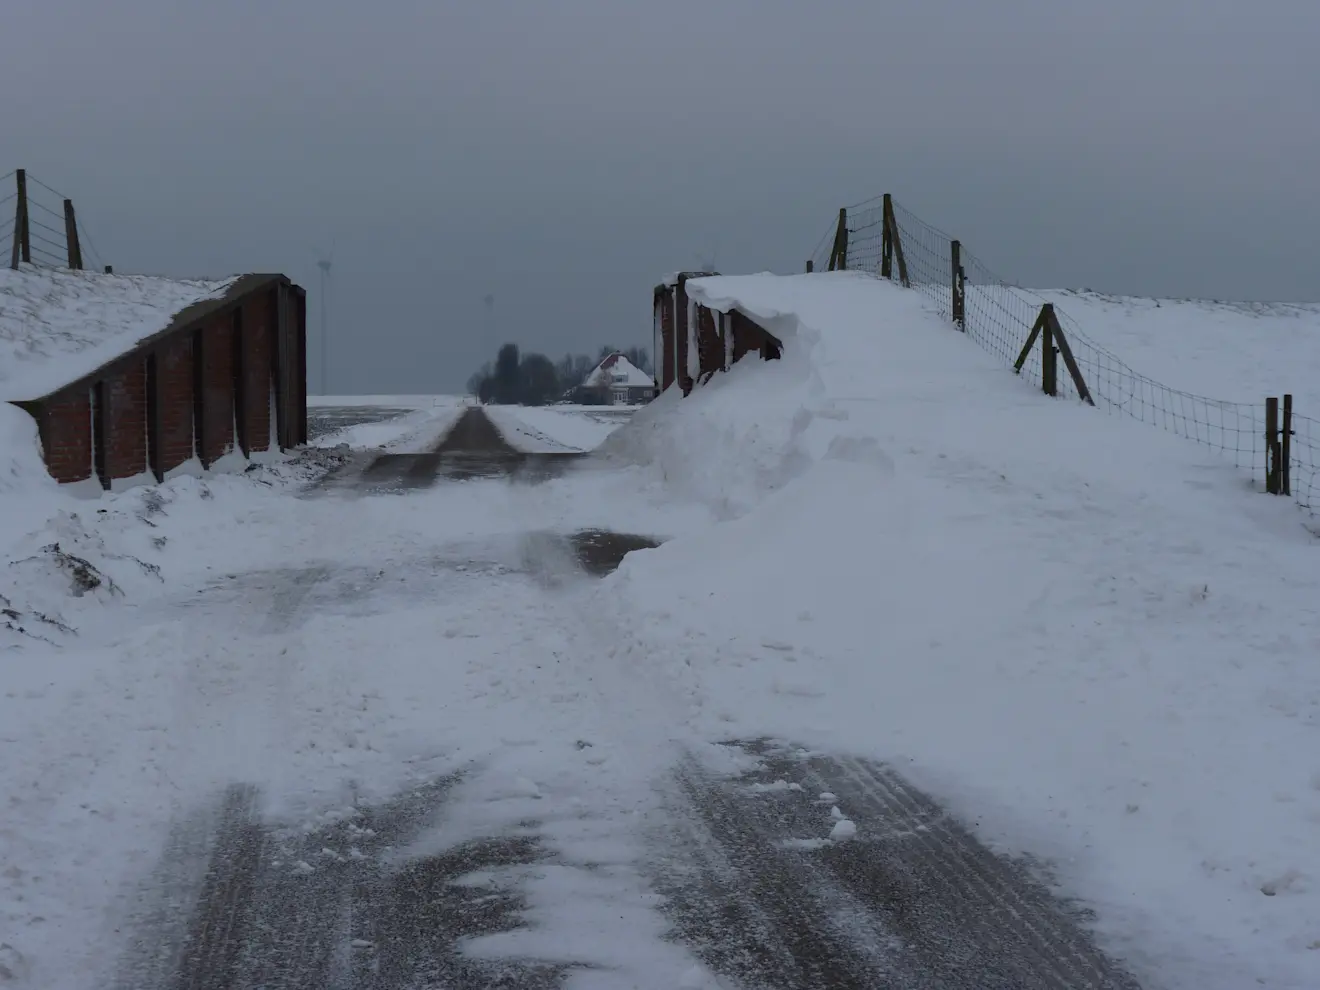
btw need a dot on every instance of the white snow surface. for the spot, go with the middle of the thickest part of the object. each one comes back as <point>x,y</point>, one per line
<point>556,429</point>
<point>392,401</point>
<point>421,423</point>
<point>1094,641</point>
<point>57,325</point>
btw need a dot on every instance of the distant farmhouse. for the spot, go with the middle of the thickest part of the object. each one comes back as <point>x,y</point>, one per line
<point>134,378</point>
<point>616,381</point>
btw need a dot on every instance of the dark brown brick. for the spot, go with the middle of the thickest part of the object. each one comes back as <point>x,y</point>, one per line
<point>217,377</point>
<point>174,397</point>
<point>65,423</point>
<point>258,361</point>
<point>665,300</point>
<point>126,420</point>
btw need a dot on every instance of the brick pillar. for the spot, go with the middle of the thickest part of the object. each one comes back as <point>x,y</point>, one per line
<point>216,377</point>
<point>174,403</point>
<point>125,418</point>
<point>664,300</point>
<point>709,355</point>
<point>258,348</point>
<point>65,425</point>
<point>681,335</point>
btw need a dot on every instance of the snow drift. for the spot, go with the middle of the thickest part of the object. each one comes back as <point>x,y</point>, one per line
<point>1092,639</point>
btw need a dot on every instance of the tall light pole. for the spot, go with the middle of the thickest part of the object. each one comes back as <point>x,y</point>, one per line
<point>324,265</point>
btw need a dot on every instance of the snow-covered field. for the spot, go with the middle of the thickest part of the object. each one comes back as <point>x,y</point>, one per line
<point>1234,352</point>
<point>552,429</point>
<point>1092,640</point>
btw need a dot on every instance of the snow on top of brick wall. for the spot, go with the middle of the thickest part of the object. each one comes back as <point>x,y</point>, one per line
<point>57,325</point>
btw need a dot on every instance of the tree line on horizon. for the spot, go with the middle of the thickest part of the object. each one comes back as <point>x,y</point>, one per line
<point>518,379</point>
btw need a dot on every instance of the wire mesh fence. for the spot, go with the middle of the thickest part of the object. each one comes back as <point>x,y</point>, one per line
<point>999,316</point>
<point>35,226</point>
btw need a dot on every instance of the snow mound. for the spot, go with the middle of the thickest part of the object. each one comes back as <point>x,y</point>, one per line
<point>21,467</point>
<point>1092,639</point>
<point>58,325</point>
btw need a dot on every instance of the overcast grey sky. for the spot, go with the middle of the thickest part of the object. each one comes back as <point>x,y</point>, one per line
<point>564,154</point>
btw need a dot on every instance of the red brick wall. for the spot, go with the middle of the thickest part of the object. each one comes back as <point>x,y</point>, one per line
<point>258,357</point>
<point>681,333</point>
<point>217,388</point>
<point>300,319</point>
<point>749,336</point>
<point>126,420</point>
<point>710,352</point>
<point>174,398</point>
<point>665,300</point>
<point>65,423</point>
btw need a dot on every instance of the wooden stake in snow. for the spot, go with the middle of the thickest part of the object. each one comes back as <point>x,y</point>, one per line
<point>22,236</point>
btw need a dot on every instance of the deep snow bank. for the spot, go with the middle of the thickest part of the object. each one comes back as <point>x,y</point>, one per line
<point>1092,639</point>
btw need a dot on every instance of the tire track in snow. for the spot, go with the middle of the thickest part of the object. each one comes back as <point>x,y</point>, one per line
<point>913,902</point>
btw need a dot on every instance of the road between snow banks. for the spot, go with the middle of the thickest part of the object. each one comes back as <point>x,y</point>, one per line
<point>472,448</point>
<point>590,842</point>
<point>907,901</point>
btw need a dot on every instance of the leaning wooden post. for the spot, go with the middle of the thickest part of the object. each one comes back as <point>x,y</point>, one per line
<point>839,253</point>
<point>895,241</point>
<point>886,241</point>
<point>1049,365</point>
<point>1031,342</point>
<point>71,236</point>
<point>1053,343</point>
<point>1062,347</point>
<point>22,235</point>
<point>1285,448</point>
<point>959,308</point>
<point>843,239</point>
<point>1272,445</point>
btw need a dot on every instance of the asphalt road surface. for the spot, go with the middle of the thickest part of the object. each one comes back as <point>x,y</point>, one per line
<point>912,902</point>
<point>473,448</point>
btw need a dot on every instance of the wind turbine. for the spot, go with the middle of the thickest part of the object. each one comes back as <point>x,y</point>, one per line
<point>324,263</point>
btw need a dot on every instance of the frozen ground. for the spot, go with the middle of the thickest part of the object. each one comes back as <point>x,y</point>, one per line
<point>985,617</point>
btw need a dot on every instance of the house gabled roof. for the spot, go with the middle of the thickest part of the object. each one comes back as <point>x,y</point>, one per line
<point>618,370</point>
<point>58,326</point>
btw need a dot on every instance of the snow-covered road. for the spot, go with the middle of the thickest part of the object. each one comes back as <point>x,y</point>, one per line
<point>404,745</point>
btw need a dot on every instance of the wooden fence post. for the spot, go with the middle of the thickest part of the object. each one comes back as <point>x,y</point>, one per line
<point>1049,354</point>
<point>1053,343</point>
<point>22,233</point>
<point>811,265</point>
<point>71,236</point>
<point>1285,448</point>
<point>895,241</point>
<point>959,300</point>
<point>1272,445</point>
<point>886,242</point>
<point>109,269</point>
<point>839,256</point>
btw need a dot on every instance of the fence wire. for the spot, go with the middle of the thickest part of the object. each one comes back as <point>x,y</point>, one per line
<point>48,240</point>
<point>998,316</point>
